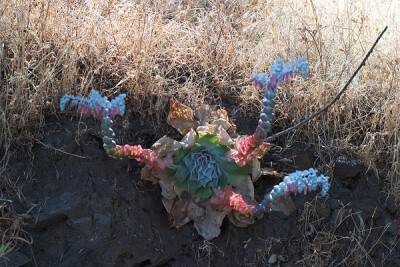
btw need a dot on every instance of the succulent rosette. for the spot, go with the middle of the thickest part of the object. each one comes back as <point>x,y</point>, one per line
<point>203,168</point>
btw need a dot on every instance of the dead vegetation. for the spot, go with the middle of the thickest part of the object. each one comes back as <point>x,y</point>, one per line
<point>11,224</point>
<point>344,239</point>
<point>196,49</point>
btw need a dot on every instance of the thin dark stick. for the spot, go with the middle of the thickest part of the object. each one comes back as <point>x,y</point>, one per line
<point>272,137</point>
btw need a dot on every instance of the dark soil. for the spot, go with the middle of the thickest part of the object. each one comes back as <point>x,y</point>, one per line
<point>93,210</point>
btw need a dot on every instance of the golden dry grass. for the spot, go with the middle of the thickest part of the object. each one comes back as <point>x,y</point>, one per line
<point>199,49</point>
<point>11,224</point>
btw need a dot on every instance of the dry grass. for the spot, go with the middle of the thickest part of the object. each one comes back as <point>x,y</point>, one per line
<point>205,252</point>
<point>343,240</point>
<point>11,224</point>
<point>207,49</point>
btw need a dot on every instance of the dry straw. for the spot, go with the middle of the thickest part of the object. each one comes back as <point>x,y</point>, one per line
<point>207,50</point>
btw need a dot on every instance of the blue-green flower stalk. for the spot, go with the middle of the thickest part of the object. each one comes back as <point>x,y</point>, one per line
<point>296,182</point>
<point>278,73</point>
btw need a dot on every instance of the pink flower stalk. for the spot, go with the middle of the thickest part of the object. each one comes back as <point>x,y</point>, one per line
<point>244,150</point>
<point>221,199</point>
<point>113,112</point>
<point>99,111</point>
<point>84,109</point>
<point>238,204</point>
<point>147,156</point>
<point>228,200</point>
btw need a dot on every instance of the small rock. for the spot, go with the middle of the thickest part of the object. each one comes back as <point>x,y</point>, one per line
<point>285,205</point>
<point>56,210</point>
<point>47,220</point>
<point>281,258</point>
<point>15,259</point>
<point>273,259</point>
<point>346,167</point>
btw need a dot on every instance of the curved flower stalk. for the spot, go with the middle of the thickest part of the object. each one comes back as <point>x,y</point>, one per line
<point>246,147</point>
<point>296,182</point>
<point>100,107</point>
<point>95,104</point>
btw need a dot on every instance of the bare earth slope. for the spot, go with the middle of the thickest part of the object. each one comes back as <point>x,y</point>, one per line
<point>95,211</point>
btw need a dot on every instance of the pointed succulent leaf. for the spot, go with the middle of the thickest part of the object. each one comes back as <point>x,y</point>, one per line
<point>193,185</point>
<point>213,183</point>
<point>182,172</point>
<point>181,155</point>
<point>219,150</point>
<point>202,193</point>
<point>232,168</point>
<point>223,180</point>
<point>207,140</point>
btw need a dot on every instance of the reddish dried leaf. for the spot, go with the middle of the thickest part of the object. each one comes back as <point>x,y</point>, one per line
<point>180,117</point>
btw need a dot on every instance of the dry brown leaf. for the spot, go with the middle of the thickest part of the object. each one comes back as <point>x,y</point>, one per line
<point>168,203</point>
<point>271,172</point>
<point>188,139</point>
<point>223,114</point>
<point>178,218</point>
<point>217,130</point>
<point>256,169</point>
<point>240,220</point>
<point>166,145</point>
<point>184,210</point>
<point>167,187</point>
<point>180,117</point>
<point>146,174</point>
<point>209,226</point>
<point>260,151</point>
<point>244,186</point>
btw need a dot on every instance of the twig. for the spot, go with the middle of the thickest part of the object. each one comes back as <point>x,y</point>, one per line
<point>220,31</point>
<point>62,151</point>
<point>272,137</point>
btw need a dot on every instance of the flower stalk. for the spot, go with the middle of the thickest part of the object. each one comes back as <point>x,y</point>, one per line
<point>278,73</point>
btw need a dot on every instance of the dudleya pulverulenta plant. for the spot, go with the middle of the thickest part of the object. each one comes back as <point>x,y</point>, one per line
<point>203,168</point>
<point>208,174</point>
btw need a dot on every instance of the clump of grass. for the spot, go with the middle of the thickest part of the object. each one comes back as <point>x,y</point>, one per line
<point>205,252</point>
<point>11,224</point>
<point>343,239</point>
